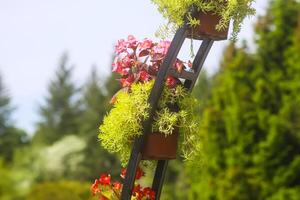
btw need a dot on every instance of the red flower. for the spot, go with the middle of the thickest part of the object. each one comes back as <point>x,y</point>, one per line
<point>171,82</point>
<point>149,193</point>
<point>123,173</point>
<point>137,192</point>
<point>120,68</point>
<point>126,82</point>
<point>139,173</point>
<point>144,76</point>
<point>117,185</point>
<point>101,197</point>
<point>103,187</point>
<point>104,179</point>
<point>94,187</point>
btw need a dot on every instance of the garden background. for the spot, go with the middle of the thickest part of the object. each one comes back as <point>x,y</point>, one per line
<point>250,109</point>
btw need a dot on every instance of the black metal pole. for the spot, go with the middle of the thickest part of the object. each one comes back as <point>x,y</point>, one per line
<point>198,62</point>
<point>159,177</point>
<point>189,84</point>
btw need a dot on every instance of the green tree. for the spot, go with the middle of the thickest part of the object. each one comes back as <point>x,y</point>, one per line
<point>11,138</point>
<point>61,112</point>
<point>95,104</point>
<point>5,107</point>
<point>250,144</point>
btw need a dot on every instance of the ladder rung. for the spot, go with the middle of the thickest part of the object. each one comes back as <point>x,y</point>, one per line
<point>189,75</point>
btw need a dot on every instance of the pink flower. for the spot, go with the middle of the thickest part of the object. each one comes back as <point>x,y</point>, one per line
<point>162,47</point>
<point>146,44</point>
<point>127,62</point>
<point>131,41</point>
<point>119,67</point>
<point>126,82</point>
<point>120,46</point>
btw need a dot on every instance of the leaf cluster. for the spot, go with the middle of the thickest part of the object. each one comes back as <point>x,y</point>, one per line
<point>176,11</point>
<point>123,123</point>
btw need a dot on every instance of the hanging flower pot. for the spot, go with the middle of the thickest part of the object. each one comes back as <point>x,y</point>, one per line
<point>137,63</point>
<point>160,147</point>
<point>213,16</point>
<point>207,27</point>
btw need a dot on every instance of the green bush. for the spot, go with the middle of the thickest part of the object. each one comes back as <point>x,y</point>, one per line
<point>62,190</point>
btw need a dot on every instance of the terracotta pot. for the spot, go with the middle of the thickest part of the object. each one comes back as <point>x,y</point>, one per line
<point>160,147</point>
<point>207,27</point>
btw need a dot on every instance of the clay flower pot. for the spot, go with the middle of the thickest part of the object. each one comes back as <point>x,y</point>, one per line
<point>160,147</point>
<point>207,27</point>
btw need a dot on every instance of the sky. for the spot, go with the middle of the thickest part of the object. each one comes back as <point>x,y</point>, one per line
<point>35,33</point>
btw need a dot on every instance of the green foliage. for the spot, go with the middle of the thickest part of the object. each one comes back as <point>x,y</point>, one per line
<point>7,189</point>
<point>250,126</point>
<point>95,103</point>
<point>176,10</point>
<point>123,123</point>
<point>10,140</point>
<point>60,114</point>
<point>5,107</point>
<point>61,190</point>
<point>11,137</point>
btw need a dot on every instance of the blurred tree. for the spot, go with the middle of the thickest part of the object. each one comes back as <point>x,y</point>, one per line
<point>7,188</point>
<point>5,107</point>
<point>61,190</point>
<point>61,113</point>
<point>95,105</point>
<point>202,88</point>
<point>11,138</point>
<point>250,132</point>
<point>278,155</point>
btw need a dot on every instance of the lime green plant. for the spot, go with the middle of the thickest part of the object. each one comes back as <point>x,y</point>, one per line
<point>176,10</point>
<point>123,123</point>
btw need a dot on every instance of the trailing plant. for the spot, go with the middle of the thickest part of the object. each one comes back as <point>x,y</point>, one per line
<point>138,63</point>
<point>123,123</point>
<point>176,10</point>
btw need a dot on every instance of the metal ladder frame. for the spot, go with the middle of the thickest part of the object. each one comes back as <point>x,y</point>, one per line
<point>190,79</point>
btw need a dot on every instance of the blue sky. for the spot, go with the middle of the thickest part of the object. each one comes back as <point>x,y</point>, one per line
<point>34,34</point>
